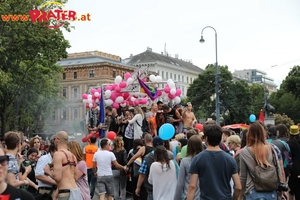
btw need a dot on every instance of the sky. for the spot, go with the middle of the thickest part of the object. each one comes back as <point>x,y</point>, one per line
<point>256,34</point>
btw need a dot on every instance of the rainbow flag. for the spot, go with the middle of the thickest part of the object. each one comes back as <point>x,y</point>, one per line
<point>138,161</point>
<point>149,90</point>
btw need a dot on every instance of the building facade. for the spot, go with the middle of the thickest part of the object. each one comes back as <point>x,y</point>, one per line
<point>83,71</point>
<point>183,73</point>
<point>256,76</point>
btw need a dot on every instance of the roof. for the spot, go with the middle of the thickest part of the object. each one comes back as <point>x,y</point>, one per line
<point>89,60</point>
<point>149,56</point>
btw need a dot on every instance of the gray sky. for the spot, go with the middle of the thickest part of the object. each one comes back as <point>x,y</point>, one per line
<point>254,34</point>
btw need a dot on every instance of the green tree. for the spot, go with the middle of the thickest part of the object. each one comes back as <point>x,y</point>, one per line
<point>236,102</point>
<point>28,53</point>
<point>292,81</point>
<point>283,119</point>
<point>257,97</point>
<point>202,91</point>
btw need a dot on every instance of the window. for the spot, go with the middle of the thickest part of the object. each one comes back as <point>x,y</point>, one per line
<point>114,74</point>
<point>75,75</point>
<point>178,77</point>
<point>182,78</point>
<point>158,72</point>
<point>75,92</point>
<point>75,113</point>
<point>162,74</point>
<point>53,115</point>
<point>64,115</point>
<point>65,92</point>
<point>167,75</point>
<point>171,76</point>
<point>191,80</point>
<point>187,79</point>
<point>92,73</point>
<point>64,76</point>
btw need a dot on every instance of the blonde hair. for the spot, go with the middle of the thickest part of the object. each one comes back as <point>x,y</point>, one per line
<point>235,139</point>
<point>74,147</point>
<point>139,110</point>
<point>179,136</point>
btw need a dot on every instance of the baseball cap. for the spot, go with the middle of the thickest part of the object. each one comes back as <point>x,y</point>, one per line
<point>157,141</point>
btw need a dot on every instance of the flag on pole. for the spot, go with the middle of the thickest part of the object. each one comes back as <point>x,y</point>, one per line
<point>101,115</point>
<point>149,90</point>
<point>261,116</point>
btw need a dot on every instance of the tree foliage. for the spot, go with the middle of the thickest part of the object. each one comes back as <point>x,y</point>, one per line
<point>257,97</point>
<point>292,82</point>
<point>28,53</point>
<point>283,119</point>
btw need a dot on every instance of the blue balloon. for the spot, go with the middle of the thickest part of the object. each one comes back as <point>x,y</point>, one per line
<point>166,131</point>
<point>252,118</point>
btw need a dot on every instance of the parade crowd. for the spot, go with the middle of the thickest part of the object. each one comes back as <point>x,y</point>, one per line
<point>198,162</point>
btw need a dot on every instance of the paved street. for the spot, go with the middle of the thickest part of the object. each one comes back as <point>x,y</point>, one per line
<point>96,196</point>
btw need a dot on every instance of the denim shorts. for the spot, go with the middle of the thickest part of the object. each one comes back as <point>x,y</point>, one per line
<point>105,185</point>
<point>254,195</point>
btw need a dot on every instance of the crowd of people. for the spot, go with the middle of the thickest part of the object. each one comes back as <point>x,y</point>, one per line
<point>196,163</point>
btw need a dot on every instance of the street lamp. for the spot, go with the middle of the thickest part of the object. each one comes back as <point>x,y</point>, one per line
<point>217,75</point>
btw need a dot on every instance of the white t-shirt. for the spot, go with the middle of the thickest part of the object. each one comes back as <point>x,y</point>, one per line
<point>104,159</point>
<point>163,179</point>
<point>137,129</point>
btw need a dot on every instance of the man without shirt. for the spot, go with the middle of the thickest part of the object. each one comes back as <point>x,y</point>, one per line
<point>64,168</point>
<point>214,168</point>
<point>188,117</point>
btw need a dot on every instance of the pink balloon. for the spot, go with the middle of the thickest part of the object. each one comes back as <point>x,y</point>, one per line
<point>115,105</point>
<point>125,95</point>
<point>117,89</point>
<point>143,101</point>
<point>99,90</point>
<point>87,105</point>
<point>144,80</point>
<point>127,75</point>
<point>123,84</point>
<point>171,96</point>
<point>119,94</point>
<point>113,86</point>
<point>108,87</point>
<point>93,91</point>
<point>167,89</point>
<point>178,92</point>
<point>159,93</point>
<point>130,103</point>
<point>136,102</point>
<point>84,96</point>
<point>113,96</point>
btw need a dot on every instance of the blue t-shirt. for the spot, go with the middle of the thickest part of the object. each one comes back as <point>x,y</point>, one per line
<point>214,169</point>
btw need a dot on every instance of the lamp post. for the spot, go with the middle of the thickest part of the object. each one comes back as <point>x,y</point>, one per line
<point>217,75</point>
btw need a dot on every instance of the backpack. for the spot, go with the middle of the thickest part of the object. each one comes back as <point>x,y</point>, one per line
<point>266,178</point>
<point>286,155</point>
<point>145,125</point>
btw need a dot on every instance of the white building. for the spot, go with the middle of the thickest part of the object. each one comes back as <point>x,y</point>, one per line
<point>256,76</point>
<point>180,71</point>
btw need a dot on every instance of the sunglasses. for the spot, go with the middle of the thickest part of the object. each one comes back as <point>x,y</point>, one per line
<point>4,160</point>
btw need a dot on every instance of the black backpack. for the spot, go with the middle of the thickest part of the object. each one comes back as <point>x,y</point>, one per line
<point>145,125</point>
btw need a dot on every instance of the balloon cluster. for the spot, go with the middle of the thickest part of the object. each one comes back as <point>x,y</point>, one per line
<point>171,93</point>
<point>116,95</point>
<point>91,100</point>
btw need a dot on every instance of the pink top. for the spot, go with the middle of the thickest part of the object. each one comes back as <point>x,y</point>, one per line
<point>82,182</point>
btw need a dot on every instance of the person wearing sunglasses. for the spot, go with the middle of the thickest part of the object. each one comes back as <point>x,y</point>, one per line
<point>8,191</point>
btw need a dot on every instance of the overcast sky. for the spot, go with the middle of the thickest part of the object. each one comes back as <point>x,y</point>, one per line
<point>254,34</point>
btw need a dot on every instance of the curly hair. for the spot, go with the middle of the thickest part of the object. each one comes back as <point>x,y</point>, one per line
<point>118,144</point>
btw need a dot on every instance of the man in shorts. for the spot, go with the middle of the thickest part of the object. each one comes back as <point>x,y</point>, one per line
<point>102,169</point>
<point>64,169</point>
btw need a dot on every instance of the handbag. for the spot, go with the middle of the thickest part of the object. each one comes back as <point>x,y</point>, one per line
<point>266,178</point>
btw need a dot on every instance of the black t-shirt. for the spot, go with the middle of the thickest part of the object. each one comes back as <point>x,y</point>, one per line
<point>113,124</point>
<point>15,194</point>
<point>31,176</point>
<point>171,114</point>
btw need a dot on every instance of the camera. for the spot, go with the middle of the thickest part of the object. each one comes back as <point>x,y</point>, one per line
<point>283,187</point>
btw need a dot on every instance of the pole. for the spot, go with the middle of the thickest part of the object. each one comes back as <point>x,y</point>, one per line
<point>265,98</point>
<point>217,75</point>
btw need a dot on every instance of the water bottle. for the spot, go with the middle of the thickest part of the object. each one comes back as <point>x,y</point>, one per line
<point>26,164</point>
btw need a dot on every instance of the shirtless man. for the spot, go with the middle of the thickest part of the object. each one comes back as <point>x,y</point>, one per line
<point>188,117</point>
<point>63,169</point>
